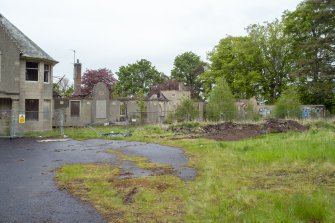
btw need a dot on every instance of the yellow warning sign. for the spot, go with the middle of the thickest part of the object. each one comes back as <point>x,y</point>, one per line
<point>22,118</point>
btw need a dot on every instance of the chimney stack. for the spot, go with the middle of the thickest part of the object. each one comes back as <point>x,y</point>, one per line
<point>77,78</point>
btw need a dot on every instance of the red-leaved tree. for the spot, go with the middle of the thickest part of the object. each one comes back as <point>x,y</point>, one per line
<point>92,77</point>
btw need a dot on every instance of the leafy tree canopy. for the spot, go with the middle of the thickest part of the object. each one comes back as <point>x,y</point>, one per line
<point>92,77</point>
<point>275,49</point>
<point>136,77</point>
<point>187,68</point>
<point>239,61</point>
<point>311,27</point>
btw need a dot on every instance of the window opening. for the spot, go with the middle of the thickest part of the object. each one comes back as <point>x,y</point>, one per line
<point>32,109</point>
<point>46,72</point>
<point>31,71</point>
<point>75,108</point>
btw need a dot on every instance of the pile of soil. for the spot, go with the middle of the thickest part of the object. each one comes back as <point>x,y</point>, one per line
<point>278,126</point>
<point>230,131</point>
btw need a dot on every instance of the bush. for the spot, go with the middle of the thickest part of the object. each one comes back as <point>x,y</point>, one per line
<point>250,113</point>
<point>169,118</point>
<point>186,111</point>
<point>221,104</point>
<point>288,105</point>
<point>184,126</point>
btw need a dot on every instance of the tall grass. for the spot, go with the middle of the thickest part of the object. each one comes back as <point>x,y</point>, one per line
<point>274,178</point>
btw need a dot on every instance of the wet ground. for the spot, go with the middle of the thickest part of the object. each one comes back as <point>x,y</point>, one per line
<point>27,189</point>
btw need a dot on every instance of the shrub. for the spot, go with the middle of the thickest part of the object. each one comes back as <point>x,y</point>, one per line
<point>169,118</point>
<point>221,104</point>
<point>250,113</point>
<point>186,111</point>
<point>288,105</point>
<point>141,106</point>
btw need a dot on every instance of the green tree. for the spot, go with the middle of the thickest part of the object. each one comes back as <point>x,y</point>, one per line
<point>63,87</point>
<point>288,105</point>
<point>221,102</point>
<point>275,48</point>
<point>311,27</point>
<point>186,111</point>
<point>239,61</point>
<point>187,68</point>
<point>141,105</point>
<point>137,77</point>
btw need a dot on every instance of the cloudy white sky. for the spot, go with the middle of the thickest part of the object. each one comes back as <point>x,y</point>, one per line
<point>110,33</point>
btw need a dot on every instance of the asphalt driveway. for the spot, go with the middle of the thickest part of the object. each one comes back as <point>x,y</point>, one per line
<point>27,189</point>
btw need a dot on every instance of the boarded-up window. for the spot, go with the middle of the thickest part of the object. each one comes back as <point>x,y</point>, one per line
<point>46,109</point>
<point>101,109</point>
<point>31,109</point>
<point>31,71</point>
<point>75,108</point>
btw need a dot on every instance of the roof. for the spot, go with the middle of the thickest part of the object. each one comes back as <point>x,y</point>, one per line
<point>27,47</point>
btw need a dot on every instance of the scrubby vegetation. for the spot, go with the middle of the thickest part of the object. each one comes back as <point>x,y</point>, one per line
<point>288,105</point>
<point>221,103</point>
<point>186,111</point>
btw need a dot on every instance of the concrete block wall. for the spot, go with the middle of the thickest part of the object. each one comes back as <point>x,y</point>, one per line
<point>62,111</point>
<point>114,114</point>
<point>36,90</point>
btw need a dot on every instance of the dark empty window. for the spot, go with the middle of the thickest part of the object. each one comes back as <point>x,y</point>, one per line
<point>31,71</point>
<point>32,109</point>
<point>46,72</point>
<point>75,108</point>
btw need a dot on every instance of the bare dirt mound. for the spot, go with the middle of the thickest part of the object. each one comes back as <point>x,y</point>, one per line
<point>230,131</point>
<point>278,125</point>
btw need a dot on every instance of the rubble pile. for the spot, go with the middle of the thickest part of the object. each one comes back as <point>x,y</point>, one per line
<point>230,131</point>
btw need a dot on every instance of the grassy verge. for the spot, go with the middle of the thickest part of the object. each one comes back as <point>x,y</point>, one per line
<point>273,178</point>
<point>144,199</point>
<point>142,162</point>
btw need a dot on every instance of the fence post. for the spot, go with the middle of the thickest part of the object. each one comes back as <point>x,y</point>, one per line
<point>14,124</point>
<point>61,122</point>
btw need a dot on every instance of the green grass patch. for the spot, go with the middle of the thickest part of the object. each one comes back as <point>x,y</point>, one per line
<point>139,133</point>
<point>140,161</point>
<point>144,199</point>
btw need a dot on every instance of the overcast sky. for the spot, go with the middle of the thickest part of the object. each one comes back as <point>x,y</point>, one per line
<point>110,33</point>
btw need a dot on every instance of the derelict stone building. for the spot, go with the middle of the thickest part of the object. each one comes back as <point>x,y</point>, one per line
<point>25,82</point>
<point>99,108</point>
